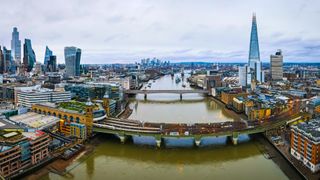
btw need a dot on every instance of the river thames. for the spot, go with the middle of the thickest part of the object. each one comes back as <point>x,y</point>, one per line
<point>112,160</point>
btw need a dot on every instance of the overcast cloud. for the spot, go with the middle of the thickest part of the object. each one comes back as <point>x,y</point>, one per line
<point>116,31</point>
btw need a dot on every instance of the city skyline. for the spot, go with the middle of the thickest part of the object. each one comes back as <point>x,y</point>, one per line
<point>150,89</point>
<point>116,32</point>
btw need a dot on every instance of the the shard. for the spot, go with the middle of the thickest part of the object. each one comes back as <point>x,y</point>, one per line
<point>255,72</point>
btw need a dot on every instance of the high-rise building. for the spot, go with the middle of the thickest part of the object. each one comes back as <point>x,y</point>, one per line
<point>1,62</point>
<point>276,64</point>
<point>72,59</point>
<point>243,71</point>
<point>16,45</point>
<point>29,57</point>
<point>52,64</point>
<point>8,63</point>
<point>254,54</point>
<point>47,55</point>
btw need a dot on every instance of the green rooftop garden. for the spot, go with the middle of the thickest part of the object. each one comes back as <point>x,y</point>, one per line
<point>73,106</point>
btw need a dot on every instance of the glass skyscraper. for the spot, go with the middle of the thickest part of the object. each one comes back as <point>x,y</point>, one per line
<point>254,63</point>
<point>9,66</point>
<point>52,64</point>
<point>16,45</point>
<point>1,62</point>
<point>72,59</point>
<point>47,55</point>
<point>29,57</point>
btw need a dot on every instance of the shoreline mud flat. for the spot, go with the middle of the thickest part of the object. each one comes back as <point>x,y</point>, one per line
<point>270,152</point>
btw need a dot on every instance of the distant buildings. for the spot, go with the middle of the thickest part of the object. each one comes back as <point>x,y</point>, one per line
<point>6,59</point>
<point>16,46</point>
<point>9,63</point>
<point>47,55</point>
<point>50,61</point>
<point>72,59</point>
<point>52,64</point>
<point>305,143</point>
<point>2,62</point>
<point>6,63</point>
<point>29,57</point>
<point>276,66</point>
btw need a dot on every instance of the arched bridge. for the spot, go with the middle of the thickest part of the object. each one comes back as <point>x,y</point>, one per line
<point>176,91</point>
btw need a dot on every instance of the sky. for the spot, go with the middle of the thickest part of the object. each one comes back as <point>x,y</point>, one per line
<point>113,31</point>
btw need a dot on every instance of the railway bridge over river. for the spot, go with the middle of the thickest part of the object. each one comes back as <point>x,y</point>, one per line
<point>124,128</point>
<point>177,91</point>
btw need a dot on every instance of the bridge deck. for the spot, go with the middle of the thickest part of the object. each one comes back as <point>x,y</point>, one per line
<point>178,91</point>
<point>184,130</point>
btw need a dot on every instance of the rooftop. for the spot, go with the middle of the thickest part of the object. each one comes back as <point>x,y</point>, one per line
<point>7,125</point>
<point>34,120</point>
<point>310,129</point>
<point>10,138</point>
<point>77,107</point>
<point>33,135</point>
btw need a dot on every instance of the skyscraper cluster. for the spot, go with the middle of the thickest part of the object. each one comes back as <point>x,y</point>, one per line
<point>6,63</point>
<point>10,60</point>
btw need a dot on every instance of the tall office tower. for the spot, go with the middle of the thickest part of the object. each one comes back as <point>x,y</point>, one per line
<point>1,62</point>
<point>254,54</point>
<point>243,71</point>
<point>52,64</point>
<point>8,63</point>
<point>276,63</point>
<point>47,55</point>
<point>16,46</point>
<point>72,59</point>
<point>29,57</point>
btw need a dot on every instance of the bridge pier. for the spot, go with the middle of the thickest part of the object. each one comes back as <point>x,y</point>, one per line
<point>234,137</point>
<point>197,140</point>
<point>158,141</point>
<point>122,138</point>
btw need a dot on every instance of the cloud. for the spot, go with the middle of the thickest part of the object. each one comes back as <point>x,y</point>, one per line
<point>125,31</point>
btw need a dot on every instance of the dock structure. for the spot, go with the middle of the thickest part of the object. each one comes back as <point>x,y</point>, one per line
<point>124,128</point>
